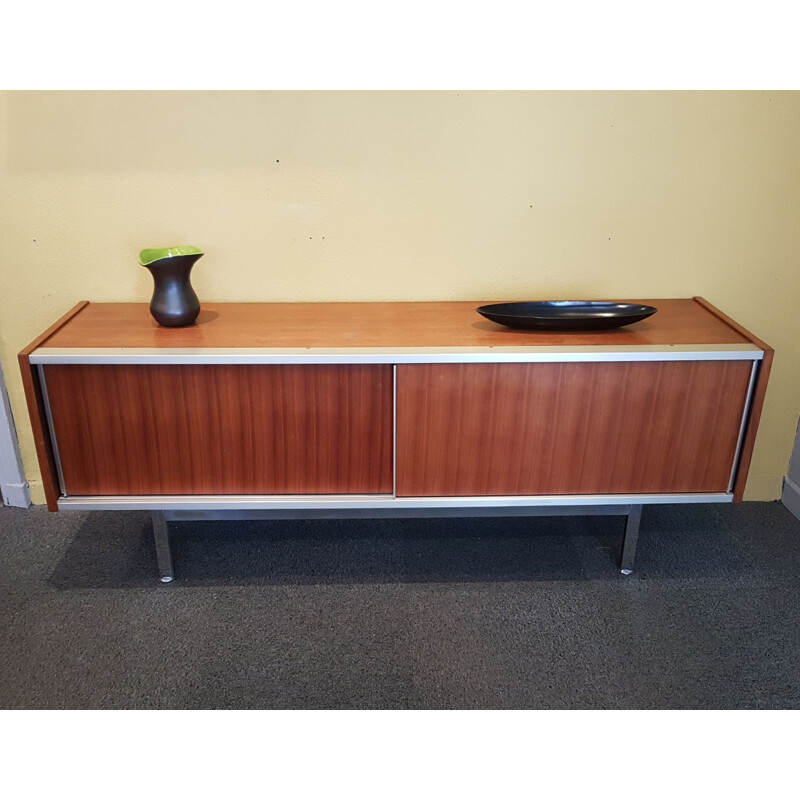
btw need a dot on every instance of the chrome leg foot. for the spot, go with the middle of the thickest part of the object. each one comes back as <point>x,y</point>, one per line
<point>631,538</point>
<point>163,552</point>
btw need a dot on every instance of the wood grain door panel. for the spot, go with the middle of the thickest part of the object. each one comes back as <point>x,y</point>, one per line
<point>568,428</point>
<point>223,429</point>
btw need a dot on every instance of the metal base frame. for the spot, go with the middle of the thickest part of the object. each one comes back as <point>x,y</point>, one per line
<point>161,520</point>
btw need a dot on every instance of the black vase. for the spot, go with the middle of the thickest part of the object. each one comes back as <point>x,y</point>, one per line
<point>174,303</point>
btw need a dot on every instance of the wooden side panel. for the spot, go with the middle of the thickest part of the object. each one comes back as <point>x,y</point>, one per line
<point>36,409</point>
<point>223,429</point>
<point>754,417</point>
<point>757,403</point>
<point>568,428</point>
<point>41,436</point>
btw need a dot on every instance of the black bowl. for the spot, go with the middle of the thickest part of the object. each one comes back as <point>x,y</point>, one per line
<point>566,315</point>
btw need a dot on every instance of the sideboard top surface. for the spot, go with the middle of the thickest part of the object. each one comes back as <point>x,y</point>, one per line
<point>341,325</point>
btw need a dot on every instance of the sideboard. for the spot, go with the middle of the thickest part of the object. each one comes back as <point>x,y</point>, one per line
<point>389,409</point>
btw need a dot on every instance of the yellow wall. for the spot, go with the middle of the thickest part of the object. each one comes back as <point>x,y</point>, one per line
<point>410,196</point>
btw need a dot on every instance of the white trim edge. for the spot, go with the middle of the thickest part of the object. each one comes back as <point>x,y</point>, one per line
<point>14,487</point>
<point>790,496</point>
<point>16,494</point>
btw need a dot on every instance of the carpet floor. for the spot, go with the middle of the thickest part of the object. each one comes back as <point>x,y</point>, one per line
<point>490,613</point>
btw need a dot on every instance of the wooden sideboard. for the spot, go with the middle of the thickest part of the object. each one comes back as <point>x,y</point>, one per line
<point>401,409</point>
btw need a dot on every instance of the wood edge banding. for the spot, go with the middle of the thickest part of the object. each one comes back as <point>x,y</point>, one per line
<point>43,337</point>
<point>36,410</point>
<point>733,324</point>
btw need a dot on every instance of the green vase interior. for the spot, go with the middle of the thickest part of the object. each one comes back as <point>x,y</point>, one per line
<point>156,254</point>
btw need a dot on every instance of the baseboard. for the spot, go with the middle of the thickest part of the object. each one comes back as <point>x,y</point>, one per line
<point>16,494</point>
<point>791,496</point>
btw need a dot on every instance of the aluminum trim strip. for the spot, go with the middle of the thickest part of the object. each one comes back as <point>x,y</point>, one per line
<point>336,502</point>
<point>398,513</point>
<point>743,425</point>
<point>391,355</point>
<point>394,430</point>
<point>52,431</point>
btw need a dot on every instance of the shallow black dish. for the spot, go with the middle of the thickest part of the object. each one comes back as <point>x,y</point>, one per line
<point>566,315</point>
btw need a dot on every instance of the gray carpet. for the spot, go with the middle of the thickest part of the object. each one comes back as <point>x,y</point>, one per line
<point>507,613</point>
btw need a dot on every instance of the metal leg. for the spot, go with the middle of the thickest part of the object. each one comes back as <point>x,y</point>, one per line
<point>631,537</point>
<point>163,552</point>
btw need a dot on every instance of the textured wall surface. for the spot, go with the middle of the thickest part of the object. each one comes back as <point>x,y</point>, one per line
<point>322,196</point>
